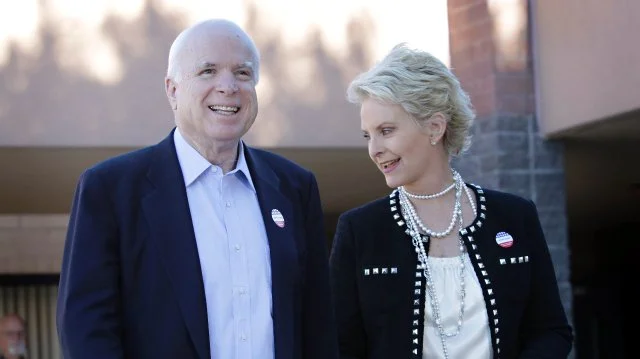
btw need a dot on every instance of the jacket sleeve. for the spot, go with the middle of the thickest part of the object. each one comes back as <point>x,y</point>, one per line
<point>319,337</point>
<point>343,267</point>
<point>88,311</point>
<point>545,326</point>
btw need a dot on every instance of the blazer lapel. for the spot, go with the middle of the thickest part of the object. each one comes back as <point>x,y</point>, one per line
<point>283,251</point>
<point>167,211</point>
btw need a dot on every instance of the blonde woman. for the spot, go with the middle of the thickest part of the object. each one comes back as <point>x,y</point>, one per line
<point>438,268</point>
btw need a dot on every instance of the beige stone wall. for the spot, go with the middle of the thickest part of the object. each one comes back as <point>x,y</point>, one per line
<point>83,80</point>
<point>587,61</point>
<point>32,244</point>
<point>91,73</point>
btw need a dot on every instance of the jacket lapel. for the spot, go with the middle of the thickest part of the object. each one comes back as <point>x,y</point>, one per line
<point>167,211</point>
<point>283,250</point>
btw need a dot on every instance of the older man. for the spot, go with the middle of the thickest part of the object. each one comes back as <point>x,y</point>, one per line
<point>12,337</point>
<point>199,246</point>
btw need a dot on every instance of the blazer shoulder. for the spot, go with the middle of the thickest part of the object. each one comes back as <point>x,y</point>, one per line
<point>128,163</point>
<point>509,207</point>
<point>279,163</point>
<point>506,199</point>
<point>369,212</point>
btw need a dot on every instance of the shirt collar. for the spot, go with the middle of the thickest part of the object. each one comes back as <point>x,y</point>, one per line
<point>193,164</point>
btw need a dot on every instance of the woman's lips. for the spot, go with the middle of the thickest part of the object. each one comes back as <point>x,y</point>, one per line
<point>387,167</point>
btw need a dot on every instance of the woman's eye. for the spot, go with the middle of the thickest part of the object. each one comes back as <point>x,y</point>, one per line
<point>385,131</point>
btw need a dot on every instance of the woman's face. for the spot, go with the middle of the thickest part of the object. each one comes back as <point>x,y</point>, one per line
<point>399,147</point>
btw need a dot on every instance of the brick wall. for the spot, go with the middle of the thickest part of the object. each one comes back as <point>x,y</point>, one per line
<point>32,244</point>
<point>491,54</point>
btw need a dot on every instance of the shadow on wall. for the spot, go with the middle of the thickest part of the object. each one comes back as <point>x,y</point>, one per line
<point>304,102</point>
<point>43,103</point>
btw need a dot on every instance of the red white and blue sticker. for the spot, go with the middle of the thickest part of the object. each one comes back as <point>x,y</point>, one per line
<point>277,218</point>
<point>504,239</point>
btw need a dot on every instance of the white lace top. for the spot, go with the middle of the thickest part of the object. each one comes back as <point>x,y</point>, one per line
<point>474,339</point>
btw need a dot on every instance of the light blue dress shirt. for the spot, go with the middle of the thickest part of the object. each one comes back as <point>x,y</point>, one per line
<point>234,255</point>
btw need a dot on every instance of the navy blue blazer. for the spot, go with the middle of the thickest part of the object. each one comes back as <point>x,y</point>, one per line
<point>131,284</point>
<point>379,288</point>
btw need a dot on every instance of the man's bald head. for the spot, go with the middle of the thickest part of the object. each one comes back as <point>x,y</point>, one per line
<point>183,44</point>
<point>12,336</point>
<point>11,319</point>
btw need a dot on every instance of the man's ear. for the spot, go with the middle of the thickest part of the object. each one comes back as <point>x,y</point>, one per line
<point>436,126</point>
<point>170,89</point>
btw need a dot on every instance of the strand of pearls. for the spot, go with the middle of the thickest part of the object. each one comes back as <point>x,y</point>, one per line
<point>431,233</point>
<point>429,196</point>
<point>457,209</point>
<point>414,225</point>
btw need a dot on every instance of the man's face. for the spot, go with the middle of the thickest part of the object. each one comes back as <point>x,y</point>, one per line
<point>215,94</point>
<point>12,338</point>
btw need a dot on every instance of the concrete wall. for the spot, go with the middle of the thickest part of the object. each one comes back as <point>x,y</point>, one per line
<point>91,74</point>
<point>32,244</point>
<point>83,80</point>
<point>587,61</point>
<point>491,54</point>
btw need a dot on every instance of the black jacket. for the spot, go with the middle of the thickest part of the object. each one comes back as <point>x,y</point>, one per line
<point>131,284</point>
<point>377,287</point>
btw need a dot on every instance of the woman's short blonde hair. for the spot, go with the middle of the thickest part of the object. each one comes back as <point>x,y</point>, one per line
<point>423,86</point>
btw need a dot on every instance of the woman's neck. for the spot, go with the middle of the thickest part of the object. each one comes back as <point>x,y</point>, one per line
<point>435,179</point>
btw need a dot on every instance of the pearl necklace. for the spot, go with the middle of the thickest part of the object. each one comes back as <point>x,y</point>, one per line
<point>429,196</point>
<point>413,222</point>
<point>420,224</point>
<point>457,207</point>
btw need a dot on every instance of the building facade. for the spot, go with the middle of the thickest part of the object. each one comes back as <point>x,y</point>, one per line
<point>554,84</point>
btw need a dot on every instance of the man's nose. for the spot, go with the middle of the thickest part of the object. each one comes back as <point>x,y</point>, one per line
<point>227,84</point>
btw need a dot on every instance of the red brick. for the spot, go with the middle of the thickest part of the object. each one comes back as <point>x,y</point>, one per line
<point>482,50</point>
<point>484,102</point>
<point>469,14</point>
<point>520,104</point>
<point>477,86</point>
<point>494,86</point>
<point>453,5</point>
<point>479,29</point>
<point>512,84</point>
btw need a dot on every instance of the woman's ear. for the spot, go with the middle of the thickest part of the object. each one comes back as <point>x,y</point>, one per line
<point>437,126</point>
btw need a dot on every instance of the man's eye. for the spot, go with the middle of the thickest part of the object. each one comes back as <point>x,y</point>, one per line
<point>244,74</point>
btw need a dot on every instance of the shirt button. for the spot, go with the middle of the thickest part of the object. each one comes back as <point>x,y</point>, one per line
<point>214,169</point>
<point>243,337</point>
<point>238,247</point>
<point>228,204</point>
<point>243,291</point>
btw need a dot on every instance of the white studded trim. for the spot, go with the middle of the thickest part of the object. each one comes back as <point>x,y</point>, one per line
<point>467,236</point>
<point>514,260</point>
<point>379,271</point>
<point>475,254</point>
<point>416,350</point>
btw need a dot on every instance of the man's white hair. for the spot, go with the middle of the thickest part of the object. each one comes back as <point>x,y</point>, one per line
<point>174,71</point>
